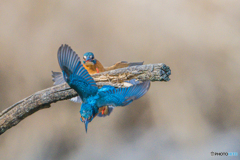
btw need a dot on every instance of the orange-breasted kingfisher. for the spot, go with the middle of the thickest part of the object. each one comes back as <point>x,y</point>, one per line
<point>91,64</point>
<point>93,99</point>
<point>94,66</point>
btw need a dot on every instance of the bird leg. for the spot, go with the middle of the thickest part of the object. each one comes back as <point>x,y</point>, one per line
<point>97,70</point>
<point>103,110</point>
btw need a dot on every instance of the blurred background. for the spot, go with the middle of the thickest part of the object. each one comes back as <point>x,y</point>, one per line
<point>195,113</point>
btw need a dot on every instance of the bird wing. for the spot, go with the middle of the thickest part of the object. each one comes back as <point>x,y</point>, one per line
<point>123,64</point>
<point>75,74</point>
<point>57,78</point>
<point>122,96</point>
<point>99,66</point>
<point>108,109</point>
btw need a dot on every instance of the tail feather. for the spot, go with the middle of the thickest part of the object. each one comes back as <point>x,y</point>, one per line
<point>57,78</point>
<point>123,64</point>
<point>135,63</point>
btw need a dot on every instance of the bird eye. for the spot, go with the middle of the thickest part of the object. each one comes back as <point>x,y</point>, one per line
<point>84,57</point>
<point>90,57</point>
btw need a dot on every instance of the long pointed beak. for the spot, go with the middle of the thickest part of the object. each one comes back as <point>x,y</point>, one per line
<point>86,125</point>
<point>88,59</point>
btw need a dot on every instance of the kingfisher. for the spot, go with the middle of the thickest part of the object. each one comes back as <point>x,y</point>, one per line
<point>91,64</point>
<point>94,99</point>
<point>94,66</point>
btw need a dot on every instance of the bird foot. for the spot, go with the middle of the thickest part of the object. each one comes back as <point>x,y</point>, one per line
<point>103,111</point>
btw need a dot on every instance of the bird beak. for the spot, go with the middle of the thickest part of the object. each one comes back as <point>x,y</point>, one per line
<point>88,59</point>
<point>86,125</point>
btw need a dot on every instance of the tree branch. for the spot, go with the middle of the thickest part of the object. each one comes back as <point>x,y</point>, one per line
<point>42,99</point>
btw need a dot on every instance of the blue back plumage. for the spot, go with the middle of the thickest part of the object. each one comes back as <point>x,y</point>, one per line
<point>106,88</point>
<point>75,74</point>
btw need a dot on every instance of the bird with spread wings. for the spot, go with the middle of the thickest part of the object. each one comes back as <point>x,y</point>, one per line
<point>94,99</point>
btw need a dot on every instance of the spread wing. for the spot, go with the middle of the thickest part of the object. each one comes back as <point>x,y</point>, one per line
<point>58,79</point>
<point>122,96</point>
<point>75,74</point>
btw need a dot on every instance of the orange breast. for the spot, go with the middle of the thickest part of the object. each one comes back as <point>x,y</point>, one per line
<point>92,69</point>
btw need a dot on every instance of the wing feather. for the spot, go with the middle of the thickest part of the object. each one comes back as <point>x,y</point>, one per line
<point>123,96</point>
<point>75,74</point>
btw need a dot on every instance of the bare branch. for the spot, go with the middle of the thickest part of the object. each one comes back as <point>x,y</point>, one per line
<point>153,72</point>
<point>42,99</point>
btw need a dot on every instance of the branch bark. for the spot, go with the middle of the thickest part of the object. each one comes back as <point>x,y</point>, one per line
<point>42,99</point>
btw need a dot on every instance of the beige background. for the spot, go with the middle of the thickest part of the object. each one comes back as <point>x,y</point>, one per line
<point>195,113</point>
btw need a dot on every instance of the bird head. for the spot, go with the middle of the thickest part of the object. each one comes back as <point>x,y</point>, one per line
<point>88,59</point>
<point>88,112</point>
